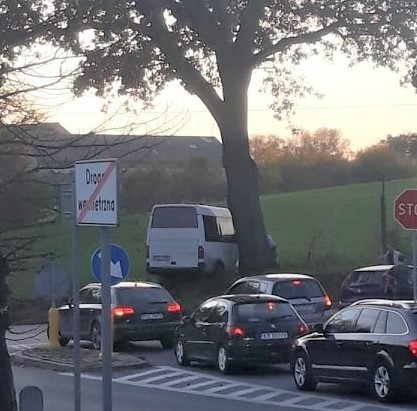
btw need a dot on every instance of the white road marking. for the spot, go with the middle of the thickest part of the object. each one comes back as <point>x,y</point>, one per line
<point>183,381</point>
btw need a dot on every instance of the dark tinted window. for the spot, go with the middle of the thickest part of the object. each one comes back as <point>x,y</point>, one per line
<point>358,278</point>
<point>252,287</point>
<point>84,296</point>
<point>211,229</point>
<point>174,217</point>
<point>90,296</point>
<point>205,312</point>
<point>367,320</point>
<point>263,311</point>
<point>395,324</point>
<point>217,313</point>
<point>139,295</point>
<point>343,322</point>
<point>239,288</point>
<point>297,289</point>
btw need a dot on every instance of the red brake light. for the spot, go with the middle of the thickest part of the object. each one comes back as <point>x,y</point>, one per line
<point>173,308</point>
<point>303,329</point>
<point>122,311</point>
<point>271,306</point>
<point>235,332</point>
<point>327,302</point>
<point>412,347</point>
<point>200,251</point>
<point>296,282</point>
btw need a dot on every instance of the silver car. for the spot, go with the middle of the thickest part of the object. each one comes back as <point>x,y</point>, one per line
<point>303,291</point>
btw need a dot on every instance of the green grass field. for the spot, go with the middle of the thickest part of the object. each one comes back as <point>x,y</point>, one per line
<point>325,229</point>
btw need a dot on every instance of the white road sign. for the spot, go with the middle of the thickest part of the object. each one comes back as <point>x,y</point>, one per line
<point>96,190</point>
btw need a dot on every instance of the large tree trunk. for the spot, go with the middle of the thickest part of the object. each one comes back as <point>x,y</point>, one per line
<point>242,174</point>
<point>7,391</point>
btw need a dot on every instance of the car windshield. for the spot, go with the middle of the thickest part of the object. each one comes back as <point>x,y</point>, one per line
<point>294,289</point>
<point>263,311</point>
<point>140,295</point>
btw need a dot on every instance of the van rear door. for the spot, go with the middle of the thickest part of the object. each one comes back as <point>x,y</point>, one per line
<point>175,253</point>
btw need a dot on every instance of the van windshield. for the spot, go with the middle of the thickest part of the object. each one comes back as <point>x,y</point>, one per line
<point>174,217</point>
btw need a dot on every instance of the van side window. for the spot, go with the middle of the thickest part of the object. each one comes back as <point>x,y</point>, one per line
<point>211,228</point>
<point>226,229</point>
<point>174,217</point>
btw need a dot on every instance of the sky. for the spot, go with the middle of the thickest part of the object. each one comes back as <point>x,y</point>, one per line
<point>365,103</point>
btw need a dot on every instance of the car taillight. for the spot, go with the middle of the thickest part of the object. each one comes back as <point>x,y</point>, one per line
<point>302,329</point>
<point>412,347</point>
<point>327,302</point>
<point>236,332</point>
<point>119,312</point>
<point>200,251</point>
<point>173,308</point>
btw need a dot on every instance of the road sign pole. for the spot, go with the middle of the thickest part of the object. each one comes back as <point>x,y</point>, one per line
<point>414,234</point>
<point>76,324</point>
<point>106,343</point>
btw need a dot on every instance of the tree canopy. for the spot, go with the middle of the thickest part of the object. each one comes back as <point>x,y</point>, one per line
<point>212,47</point>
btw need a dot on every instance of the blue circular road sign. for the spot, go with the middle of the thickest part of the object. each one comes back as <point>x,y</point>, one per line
<point>119,264</point>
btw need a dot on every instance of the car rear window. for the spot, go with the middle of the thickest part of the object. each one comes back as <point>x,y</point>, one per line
<point>140,295</point>
<point>294,289</point>
<point>263,311</point>
<point>365,277</point>
<point>174,217</point>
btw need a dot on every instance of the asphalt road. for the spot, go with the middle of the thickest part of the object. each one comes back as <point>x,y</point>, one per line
<point>164,385</point>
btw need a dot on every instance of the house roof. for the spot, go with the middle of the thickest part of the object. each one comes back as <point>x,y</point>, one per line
<point>57,148</point>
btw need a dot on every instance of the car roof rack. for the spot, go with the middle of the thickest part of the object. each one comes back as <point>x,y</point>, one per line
<point>389,303</point>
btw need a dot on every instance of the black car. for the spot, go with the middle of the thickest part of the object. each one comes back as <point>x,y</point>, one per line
<point>141,311</point>
<point>303,291</point>
<point>238,329</point>
<point>378,281</point>
<point>372,343</point>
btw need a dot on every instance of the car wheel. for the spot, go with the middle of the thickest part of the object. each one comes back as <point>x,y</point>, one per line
<point>180,354</point>
<point>223,363</point>
<point>167,342</point>
<point>382,382</point>
<point>302,372</point>
<point>95,335</point>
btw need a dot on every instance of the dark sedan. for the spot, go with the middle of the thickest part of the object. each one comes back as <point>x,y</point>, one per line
<point>141,311</point>
<point>239,329</point>
<point>371,343</point>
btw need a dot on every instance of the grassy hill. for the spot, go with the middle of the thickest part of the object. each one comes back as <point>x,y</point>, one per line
<point>326,232</point>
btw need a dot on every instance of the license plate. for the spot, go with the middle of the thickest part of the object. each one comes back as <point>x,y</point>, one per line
<point>274,336</point>
<point>153,316</point>
<point>161,257</point>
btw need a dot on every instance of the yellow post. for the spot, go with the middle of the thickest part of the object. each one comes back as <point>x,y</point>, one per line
<point>53,328</point>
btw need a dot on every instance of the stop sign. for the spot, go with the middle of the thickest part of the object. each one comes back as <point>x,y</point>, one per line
<point>405,209</point>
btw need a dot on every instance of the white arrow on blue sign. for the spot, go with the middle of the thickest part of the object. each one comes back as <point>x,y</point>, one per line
<point>119,264</point>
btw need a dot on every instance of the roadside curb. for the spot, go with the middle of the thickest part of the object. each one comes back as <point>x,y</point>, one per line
<point>36,358</point>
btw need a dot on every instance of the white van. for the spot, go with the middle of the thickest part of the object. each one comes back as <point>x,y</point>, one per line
<point>190,238</point>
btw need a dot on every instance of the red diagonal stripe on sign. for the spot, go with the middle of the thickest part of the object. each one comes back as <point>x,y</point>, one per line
<point>96,191</point>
